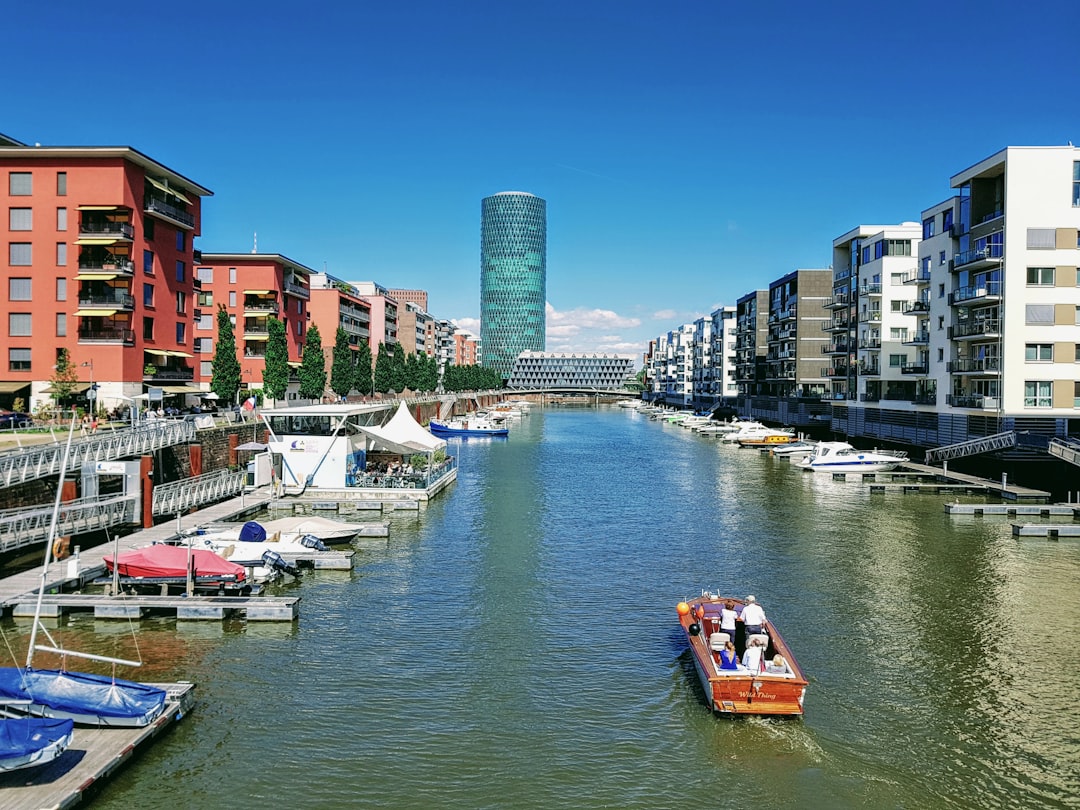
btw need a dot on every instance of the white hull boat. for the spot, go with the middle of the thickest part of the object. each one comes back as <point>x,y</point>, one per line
<point>841,457</point>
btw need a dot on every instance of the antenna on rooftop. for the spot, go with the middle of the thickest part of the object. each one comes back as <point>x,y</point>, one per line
<point>255,242</point>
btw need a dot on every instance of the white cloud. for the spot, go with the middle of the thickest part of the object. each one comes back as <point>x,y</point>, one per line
<point>469,324</point>
<point>665,315</point>
<point>590,318</point>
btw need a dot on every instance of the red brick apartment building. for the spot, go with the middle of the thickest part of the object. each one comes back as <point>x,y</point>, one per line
<point>253,287</point>
<point>98,258</point>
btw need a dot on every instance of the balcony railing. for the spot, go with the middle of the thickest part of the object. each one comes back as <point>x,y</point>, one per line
<point>869,289</point>
<point>925,399</point>
<point>832,326</point>
<point>989,327</point>
<point>125,336</point>
<point>156,205</point>
<point>115,300</point>
<point>835,371</point>
<point>869,397</point>
<point>170,374</point>
<point>835,348</point>
<point>297,290</point>
<point>978,255</point>
<point>255,330</point>
<point>107,265</point>
<point>973,401</point>
<point>837,301</point>
<point>870,369</point>
<point>870,343</point>
<point>873,316</point>
<point>915,368</point>
<point>271,307</point>
<point>917,339</point>
<point>979,292</point>
<point>915,307</point>
<point>983,365</point>
<point>919,276</point>
<point>122,230</point>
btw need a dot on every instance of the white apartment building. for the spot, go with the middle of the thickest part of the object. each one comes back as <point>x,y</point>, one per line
<point>725,386</point>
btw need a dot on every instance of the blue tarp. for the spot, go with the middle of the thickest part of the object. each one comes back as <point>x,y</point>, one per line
<point>22,737</point>
<point>252,532</point>
<point>81,693</point>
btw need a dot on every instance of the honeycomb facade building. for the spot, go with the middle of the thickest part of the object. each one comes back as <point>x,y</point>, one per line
<point>548,370</point>
<point>513,278</point>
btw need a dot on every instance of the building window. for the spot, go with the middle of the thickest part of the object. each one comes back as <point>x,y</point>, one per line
<point>205,274</point>
<point>61,254</point>
<point>940,290</point>
<point>896,279</point>
<point>232,275</point>
<point>1078,352</point>
<point>181,333</point>
<point>181,302</point>
<point>20,289</point>
<point>148,295</point>
<point>148,328</point>
<point>20,184</point>
<point>941,257</point>
<point>206,368</point>
<point>20,219</point>
<point>148,262</point>
<point>1076,394</point>
<point>61,219</point>
<point>18,359</point>
<point>896,306</point>
<point>180,241</point>
<point>181,271</point>
<point>1039,353</point>
<point>20,254</point>
<point>897,360</point>
<point>205,298</point>
<point>1076,184</point>
<point>1040,276</point>
<point>61,324</point>
<point>941,355</point>
<point>148,227</point>
<point>232,296</point>
<point>206,322</point>
<point>1039,313</point>
<point>1041,238</point>
<point>61,184</point>
<point>928,227</point>
<point>19,324</point>
<point>926,265</point>
<point>61,289</point>
<point>1038,394</point>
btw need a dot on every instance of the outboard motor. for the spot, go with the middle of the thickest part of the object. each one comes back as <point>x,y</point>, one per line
<point>271,559</point>
<point>313,542</point>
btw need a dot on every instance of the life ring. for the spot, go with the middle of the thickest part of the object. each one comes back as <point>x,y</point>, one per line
<point>61,547</point>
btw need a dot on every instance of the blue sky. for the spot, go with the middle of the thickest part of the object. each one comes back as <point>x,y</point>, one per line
<point>689,152</point>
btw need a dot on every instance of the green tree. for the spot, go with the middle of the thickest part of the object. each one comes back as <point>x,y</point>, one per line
<point>383,371</point>
<point>65,377</point>
<point>226,367</point>
<point>341,365</point>
<point>276,372</point>
<point>399,380</point>
<point>362,373</point>
<point>313,366</point>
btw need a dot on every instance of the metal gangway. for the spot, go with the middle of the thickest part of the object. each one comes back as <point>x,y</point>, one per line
<point>972,447</point>
<point>24,527</point>
<point>177,497</point>
<point>1065,449</point>
<point>41,461</point>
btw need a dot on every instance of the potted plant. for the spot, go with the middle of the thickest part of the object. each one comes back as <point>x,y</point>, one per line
<point>149,370</point>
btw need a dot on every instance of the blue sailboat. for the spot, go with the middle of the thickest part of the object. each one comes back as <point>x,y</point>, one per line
<point>29,741</point>
<point>82,697</point>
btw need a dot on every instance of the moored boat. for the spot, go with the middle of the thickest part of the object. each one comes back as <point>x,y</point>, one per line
<point>468,426</point>
<point>740,691</point>
<point>769,438</point>
<point>841,457</point>
<point>29,741</point>
<point>793,450</point>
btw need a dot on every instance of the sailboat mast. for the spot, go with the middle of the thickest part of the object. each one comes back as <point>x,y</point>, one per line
<point>49,544</point>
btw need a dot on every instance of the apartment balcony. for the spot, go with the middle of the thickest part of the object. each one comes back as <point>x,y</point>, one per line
<point>296,289</point>
<point>261,307</point>
<point>870,369</point>
<point>256,331</point>
<point>984,328</point>
<point>978,258</point>
<point>113,301</point>
<point>103,335</point>
<point>106,229</point>
<point>786,354</point>
<point>921,368</point>
<point>836,325</point>
<point>166,374</point>
<point>869,289</point>
<point>977,295</point>
<point>104,268</point>
<point>925,399</point>
<point>917,339</point>
<point>919,307</point>
<point>977,401</point>
<point>957,229</point>
<point>917,277</point>
<point>870,343</point>
<point>873,316</point>
<point>870,397</point>
<point>988,366</point>
<point>835,371</point>
<point>838,301</point>
<point>788,314</point>
<point>157,207</point>
<point>835,348</point>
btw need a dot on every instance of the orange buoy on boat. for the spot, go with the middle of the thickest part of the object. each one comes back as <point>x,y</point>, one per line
<point>683,608</point>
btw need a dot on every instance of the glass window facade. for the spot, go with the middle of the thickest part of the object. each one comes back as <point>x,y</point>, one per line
<point>513,278</point>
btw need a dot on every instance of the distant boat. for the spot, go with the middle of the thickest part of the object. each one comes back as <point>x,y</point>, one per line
<point>29,741</point>
<point>740,691</point>
<point>82,697</point>
<point>468,426</point>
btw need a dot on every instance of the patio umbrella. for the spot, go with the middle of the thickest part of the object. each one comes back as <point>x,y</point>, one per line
<point>251,446</point>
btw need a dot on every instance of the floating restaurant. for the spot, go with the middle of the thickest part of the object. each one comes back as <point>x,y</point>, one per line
<point>346,453</point>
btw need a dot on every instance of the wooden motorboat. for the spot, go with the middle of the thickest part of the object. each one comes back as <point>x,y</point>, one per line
<point>739,691</point>
<point>773,438</point>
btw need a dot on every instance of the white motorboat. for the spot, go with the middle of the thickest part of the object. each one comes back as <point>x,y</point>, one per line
<point>841,457</point>
<point>793,450</point>
<point>754,431</point>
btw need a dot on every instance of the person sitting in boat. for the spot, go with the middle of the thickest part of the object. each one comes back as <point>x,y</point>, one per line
<point>753,617</point>
<point>729,659</point>
<point>755,650</point>
<point>778,666</point>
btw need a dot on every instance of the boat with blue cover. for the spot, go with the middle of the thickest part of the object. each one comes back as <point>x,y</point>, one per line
<point>29,741</point>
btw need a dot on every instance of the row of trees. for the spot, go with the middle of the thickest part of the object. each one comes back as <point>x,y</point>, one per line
<point>350,370</point>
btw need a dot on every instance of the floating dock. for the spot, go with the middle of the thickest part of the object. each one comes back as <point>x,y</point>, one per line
<point>1051,531</point>
<point>1012,509</point>
<point>920,478</point>
<point>95,754</point>
<point>252,608</point>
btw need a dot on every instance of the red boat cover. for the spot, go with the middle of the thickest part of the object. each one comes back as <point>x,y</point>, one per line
<point>172,561</point>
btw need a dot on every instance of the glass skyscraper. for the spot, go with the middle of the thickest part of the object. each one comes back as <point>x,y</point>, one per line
<point>513,278</point>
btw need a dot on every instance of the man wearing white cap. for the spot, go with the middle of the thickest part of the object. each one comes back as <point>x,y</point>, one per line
<point>753,617</point>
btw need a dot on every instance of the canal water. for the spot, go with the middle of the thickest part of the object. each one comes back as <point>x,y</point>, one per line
<point>515,645</point>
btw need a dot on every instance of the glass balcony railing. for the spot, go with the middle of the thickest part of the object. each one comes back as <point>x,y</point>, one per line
<point>977,292</point>
<point>972,401</point>
<point>106,265</point>
<point>915,368</point>
<point>125,336</point>
<point>870,289</point>
<point>107,301</point>
<point>978,255</point>
<point>121,230</point>
<point>976,365</point>
<point>990,327</point>
<point>156,205</point>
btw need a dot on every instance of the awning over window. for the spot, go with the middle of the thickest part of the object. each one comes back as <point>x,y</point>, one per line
<point>162,186</point>
<point>257,292</point>
<point>173,353</point>
<point>256,337</point>
<point>96,276</point>
<point>11,387</point>
<point>97,240</point>
<point>98,207</point>
<point>180,389</point>
<point>157,352</point>
<point>295,363</point>
<point>95,313</point>
<point>76,388</point>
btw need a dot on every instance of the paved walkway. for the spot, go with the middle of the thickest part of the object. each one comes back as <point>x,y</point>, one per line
<point>1010,492</point>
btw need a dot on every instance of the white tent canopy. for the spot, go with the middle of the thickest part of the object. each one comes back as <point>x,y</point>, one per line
<point>403,434</point>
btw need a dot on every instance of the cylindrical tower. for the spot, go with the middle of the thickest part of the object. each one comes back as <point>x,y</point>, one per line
<point>513,278</point>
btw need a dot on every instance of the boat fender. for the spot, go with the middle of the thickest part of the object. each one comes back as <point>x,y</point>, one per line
<point>695,629</point>
<point>61,547</point>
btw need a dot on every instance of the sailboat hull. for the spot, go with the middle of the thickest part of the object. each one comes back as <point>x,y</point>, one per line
<point>87,699</point>
<point>29,741</point>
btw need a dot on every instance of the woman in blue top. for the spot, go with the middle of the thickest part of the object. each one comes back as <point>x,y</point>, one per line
<point>728,658</point>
